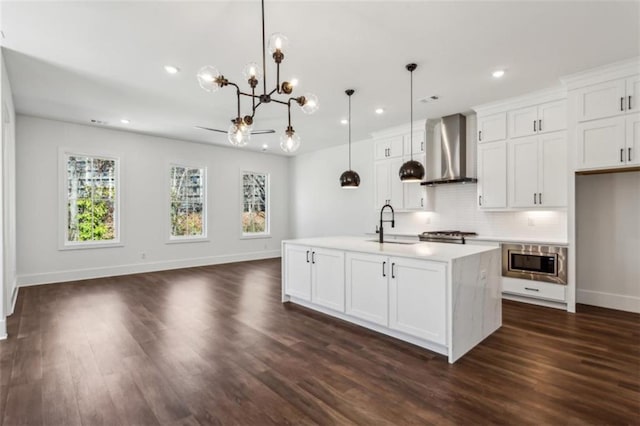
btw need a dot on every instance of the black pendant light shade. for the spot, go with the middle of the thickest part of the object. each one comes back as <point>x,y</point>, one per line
<point>411,171</point>
<point>349,179</point>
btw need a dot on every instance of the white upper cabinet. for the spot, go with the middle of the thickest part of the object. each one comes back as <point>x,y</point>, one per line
<point>418,143</point>
<point>602,100</point>
<point>632,145</point>
<point>523,172</point>
<point>601,143</point>
<point>389,148</point>
<point>633,94</point>
<point>492,175</point>
<point>416,196</point>
<point>544,118</point>
<point>553,167</point>
<point>492,127</point>
<point>523,122</point>
<point>389,187</point>
<point>552,116</point>
<point>538,171</point>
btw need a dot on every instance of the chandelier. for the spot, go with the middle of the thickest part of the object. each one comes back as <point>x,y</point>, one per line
<point>239,132</point>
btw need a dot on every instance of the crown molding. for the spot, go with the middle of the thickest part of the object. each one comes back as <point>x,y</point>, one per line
<point>614,71</point>
<point>555,93</point>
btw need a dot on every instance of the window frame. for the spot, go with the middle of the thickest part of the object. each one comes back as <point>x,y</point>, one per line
<point>63,201</point>
<point>179,239</point>
<point>267,232</point>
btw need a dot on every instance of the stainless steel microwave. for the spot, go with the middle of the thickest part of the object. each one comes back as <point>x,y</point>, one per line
<point>535,262</point>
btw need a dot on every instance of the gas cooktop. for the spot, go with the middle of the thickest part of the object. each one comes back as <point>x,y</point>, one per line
<point>454,237</point>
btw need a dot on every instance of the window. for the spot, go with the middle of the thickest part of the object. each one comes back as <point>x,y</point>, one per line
<point>187,198</point>
<point>91,200</point>
<point>255,204</point>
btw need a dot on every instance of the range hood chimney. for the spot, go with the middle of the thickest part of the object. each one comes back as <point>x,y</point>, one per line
<point>453,151</point>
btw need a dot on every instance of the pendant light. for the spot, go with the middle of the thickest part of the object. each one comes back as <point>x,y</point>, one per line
<point>349,179</point>
<point>411,171</point>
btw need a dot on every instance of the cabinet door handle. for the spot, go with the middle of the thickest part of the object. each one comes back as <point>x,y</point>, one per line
<point>534,198</point>
<point>307,256</point>
<point>313,257</point>
<point>383,265</point>
<point>479,200</point>
<point>629,154</point>
<point>480,136</point>
<point>422,143</point>
<point>393,273</point>
<point>539,197</point>
<point>540,125</point>
<point>622,155</point>
<point>534,125</point>
<point>622,104</point>
<point>422,199</point>
<point>629,106</point>
<point>531,289</point>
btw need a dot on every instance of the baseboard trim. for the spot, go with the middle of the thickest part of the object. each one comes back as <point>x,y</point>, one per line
<point>111,271</point>
<point>14,298</point>
<point>3,329</point>
<point>540,302</point>
<point>608,300</point>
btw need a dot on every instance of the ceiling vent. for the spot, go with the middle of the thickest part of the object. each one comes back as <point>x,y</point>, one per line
<point>429,99</point>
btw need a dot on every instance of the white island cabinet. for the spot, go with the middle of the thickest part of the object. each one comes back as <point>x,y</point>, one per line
<point>443,297</point>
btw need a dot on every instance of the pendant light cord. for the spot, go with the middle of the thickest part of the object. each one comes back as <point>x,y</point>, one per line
<point>264,56</point>
<point>411,124</point>
<point>349,132</point>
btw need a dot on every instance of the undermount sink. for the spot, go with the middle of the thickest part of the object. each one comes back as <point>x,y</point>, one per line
<point>396,242</point>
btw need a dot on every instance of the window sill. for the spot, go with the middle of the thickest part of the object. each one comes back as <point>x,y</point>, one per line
<point>92,245</point>
<point>254,236</point>
<point>187,240</point>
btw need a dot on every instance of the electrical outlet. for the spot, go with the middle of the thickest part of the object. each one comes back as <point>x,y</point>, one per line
<point>428,220</point>
<point>483,275</point>
<point>532,222</point>
<point>143,255</point>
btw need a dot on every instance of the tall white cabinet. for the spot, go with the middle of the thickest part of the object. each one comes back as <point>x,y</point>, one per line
<point>522,152</point>
<point>392,148</point>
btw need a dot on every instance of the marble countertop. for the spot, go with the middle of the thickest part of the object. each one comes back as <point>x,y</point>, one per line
<point>524,240</point>
<point>420,250</point>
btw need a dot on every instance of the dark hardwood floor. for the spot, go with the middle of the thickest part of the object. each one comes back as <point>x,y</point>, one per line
<point>214,345</point>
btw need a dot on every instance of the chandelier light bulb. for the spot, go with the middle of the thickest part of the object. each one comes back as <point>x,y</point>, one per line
<point>207,78</point>
<point>252,69</point>
<point>278,42</point>
<point>239,135</point>
<point>289,141</point>
<point>311,104</point>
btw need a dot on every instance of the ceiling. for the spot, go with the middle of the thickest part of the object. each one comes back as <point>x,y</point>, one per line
<point>78,61</point>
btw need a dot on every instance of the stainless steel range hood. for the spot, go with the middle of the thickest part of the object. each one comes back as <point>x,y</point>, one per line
<point>453,151</point>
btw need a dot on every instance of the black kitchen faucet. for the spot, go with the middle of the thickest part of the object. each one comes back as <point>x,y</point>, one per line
<point>393,221</point>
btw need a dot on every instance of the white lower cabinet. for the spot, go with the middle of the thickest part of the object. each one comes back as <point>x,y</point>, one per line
<point>537,289</point>
<point>316,275</point>
<point>417,298</point>
<point>367,287</point>
<point>403,294</point>
<point>298,271</point>
<point>327,278</point>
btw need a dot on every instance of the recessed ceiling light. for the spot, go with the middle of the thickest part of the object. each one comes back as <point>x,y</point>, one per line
<point>171,69</point>
<point>498,73</point>
<point>379,111</point>
<point>265,147</point>
<point>294,82</point>
<point>344,121</point>
<point>125,121</point>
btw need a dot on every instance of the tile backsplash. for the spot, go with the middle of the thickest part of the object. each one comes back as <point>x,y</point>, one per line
<point>455,208</point>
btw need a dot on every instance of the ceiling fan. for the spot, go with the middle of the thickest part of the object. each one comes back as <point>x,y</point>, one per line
<point>253,132</point>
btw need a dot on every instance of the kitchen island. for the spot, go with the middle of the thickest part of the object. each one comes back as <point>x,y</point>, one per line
<point>442,297</point>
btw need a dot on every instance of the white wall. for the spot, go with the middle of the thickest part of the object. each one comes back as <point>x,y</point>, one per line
<point>320,207</point>
<point>144,162</point>
<point>7,199</point>
<point>608,240</point>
